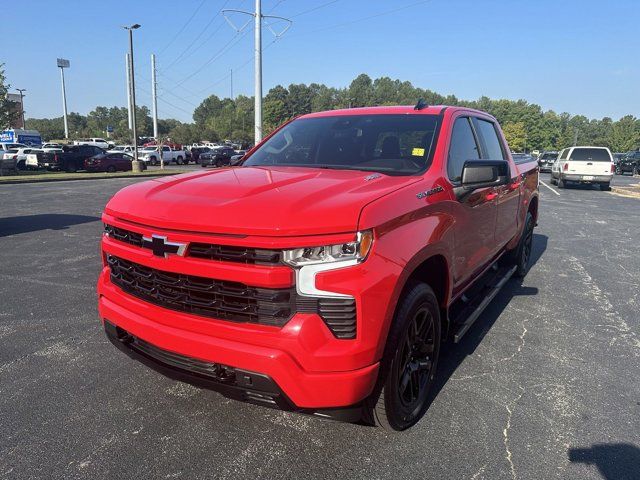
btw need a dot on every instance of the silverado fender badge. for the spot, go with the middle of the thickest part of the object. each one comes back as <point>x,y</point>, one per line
<point>162,248</point>
<point>428,193</point>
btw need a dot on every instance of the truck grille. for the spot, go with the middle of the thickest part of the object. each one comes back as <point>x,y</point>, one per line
<point>203,296</point>
<point>224,253</point>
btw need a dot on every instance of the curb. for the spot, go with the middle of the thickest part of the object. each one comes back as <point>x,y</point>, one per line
<point>88,177</point>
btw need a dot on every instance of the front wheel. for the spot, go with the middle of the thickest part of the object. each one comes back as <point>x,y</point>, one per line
<point>179,160</point>
<point>410,362</point>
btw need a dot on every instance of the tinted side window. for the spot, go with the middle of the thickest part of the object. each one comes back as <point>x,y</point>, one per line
<point>563,154</point>
<point>463,147</point>
<point>492,146</point>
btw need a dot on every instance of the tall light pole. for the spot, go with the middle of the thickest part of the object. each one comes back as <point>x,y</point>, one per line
<point>154,97</point>
<point>62,64</point>
<point>257,16</point>
<point>135,164</point>
<point>22,90</point>
<point>128,71</point>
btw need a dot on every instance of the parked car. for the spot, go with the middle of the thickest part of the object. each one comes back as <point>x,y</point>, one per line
<point>217,157</point>
<point>546,160</point>
<point>237,159</point>
<point>50,146</point>
<point>70,159</point>
<point>19,155</point>
<point>590,165</point>
<point>96,142</point>
<point>5,147</point>
<point>617,157</point>
<point>323,275</point>
<point>630,163</point>
<point>152,156</point>
<point>122,149</point>
<point>110,162</point>
<point>197,151</point>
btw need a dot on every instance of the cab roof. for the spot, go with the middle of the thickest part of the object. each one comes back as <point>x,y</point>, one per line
<point>387,110</point>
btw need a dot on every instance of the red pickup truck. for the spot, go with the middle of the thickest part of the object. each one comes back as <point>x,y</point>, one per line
<point>324,273</point>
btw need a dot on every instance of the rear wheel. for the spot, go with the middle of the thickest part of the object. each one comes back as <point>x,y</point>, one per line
<point>521,256</point>
<point>410,361</point>
<point>561,183</point>
<point>111,169</point>
<point>605,187</point>
<point>179,161</point>
<point>153,161</point>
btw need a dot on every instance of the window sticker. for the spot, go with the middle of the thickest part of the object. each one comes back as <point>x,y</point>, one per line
<point>418,152</point>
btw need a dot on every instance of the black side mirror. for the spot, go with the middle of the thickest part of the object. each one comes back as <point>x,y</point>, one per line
<point>483,174</point>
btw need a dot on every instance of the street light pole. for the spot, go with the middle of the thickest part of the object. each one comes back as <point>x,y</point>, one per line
<point>22,90</point>
<point>62,64</point>
<point>135,164</point>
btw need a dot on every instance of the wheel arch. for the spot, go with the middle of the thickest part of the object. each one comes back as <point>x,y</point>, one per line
<point>431,266</point>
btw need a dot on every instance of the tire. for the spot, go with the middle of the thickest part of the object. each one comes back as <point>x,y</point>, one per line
<point>408,367</point>
<point>635,171</point>
<point>111,169</point>
<point>605,187</point>
<point>179,161</point>
<point>618,171</point>
<point>553,180</point>
<point>153,161</point>
<point>520,256</point>
<point>561,183</point>
<point>71,167</point>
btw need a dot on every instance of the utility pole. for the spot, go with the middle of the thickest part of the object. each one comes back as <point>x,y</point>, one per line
<point>232,84</point>
<point>135,164</point>
<point>128,62</point>
<point>154,97</point>
<point>62,64</point>
<point>258,73</point>
<point>575,137</point>
<point>257,16</point>
<point>22,90</point>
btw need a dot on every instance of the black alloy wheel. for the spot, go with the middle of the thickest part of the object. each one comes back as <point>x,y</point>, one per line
<point>414,368</point>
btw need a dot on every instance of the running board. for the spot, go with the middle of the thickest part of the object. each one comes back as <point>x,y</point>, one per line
<point>471,312</point>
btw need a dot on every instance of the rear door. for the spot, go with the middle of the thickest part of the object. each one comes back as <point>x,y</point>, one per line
<point>475,214</point>
<point>508,199</point>
<point>589,162</point>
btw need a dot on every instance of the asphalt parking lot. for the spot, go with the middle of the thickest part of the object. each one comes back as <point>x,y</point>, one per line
<point>545,385</point>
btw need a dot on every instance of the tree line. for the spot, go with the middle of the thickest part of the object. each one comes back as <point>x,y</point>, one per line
<point>526,125</point>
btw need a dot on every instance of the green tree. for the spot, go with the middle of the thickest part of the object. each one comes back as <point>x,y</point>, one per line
<point>516,135</point>
<point>8,112</point>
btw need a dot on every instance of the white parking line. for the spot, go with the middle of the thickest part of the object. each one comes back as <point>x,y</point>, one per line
<point>553,190</point>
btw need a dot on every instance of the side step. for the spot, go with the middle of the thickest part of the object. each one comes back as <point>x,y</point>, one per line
<point>471,308</point>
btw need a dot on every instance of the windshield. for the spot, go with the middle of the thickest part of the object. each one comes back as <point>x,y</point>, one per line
<point>590,154</point>
<point>549,156</point>
<point>391,144</point>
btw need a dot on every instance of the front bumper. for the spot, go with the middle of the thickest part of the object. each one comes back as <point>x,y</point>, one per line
<point>586,178</point>
<point>292,356</point>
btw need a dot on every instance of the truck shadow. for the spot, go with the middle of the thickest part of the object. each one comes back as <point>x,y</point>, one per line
<point>49,221</point>
<point>613,460</point>
<point>452,355</point>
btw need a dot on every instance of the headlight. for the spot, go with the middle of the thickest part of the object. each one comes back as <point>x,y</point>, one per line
<point>342,252</point>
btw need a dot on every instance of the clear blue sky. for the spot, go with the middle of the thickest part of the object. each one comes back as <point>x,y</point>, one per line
<point>579,56</point>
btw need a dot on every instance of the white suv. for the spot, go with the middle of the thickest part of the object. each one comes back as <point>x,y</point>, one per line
<point>583,165</point>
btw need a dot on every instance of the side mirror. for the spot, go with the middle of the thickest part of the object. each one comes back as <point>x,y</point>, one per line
<point>236,160</point>
<point>483,174</point>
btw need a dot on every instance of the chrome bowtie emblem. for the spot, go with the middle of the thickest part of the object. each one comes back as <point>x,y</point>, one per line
<point>162,248</point>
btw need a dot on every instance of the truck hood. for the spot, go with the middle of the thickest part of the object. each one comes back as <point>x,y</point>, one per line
<point>273,201</point>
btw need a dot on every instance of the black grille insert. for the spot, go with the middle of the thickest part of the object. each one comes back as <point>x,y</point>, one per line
<point>204,296</point>
<point>225,253</point>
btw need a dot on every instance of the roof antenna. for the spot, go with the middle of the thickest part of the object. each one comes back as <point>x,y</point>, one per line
<point>421,104</point>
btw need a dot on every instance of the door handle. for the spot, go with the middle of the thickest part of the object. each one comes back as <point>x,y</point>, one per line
<point>491,196</point>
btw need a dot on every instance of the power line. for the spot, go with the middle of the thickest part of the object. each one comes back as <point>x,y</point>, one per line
<point>362,19</point>
<point>183,27</point>
<point>232,42</point>
<point>313,9</point>
<point>199,35</point>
